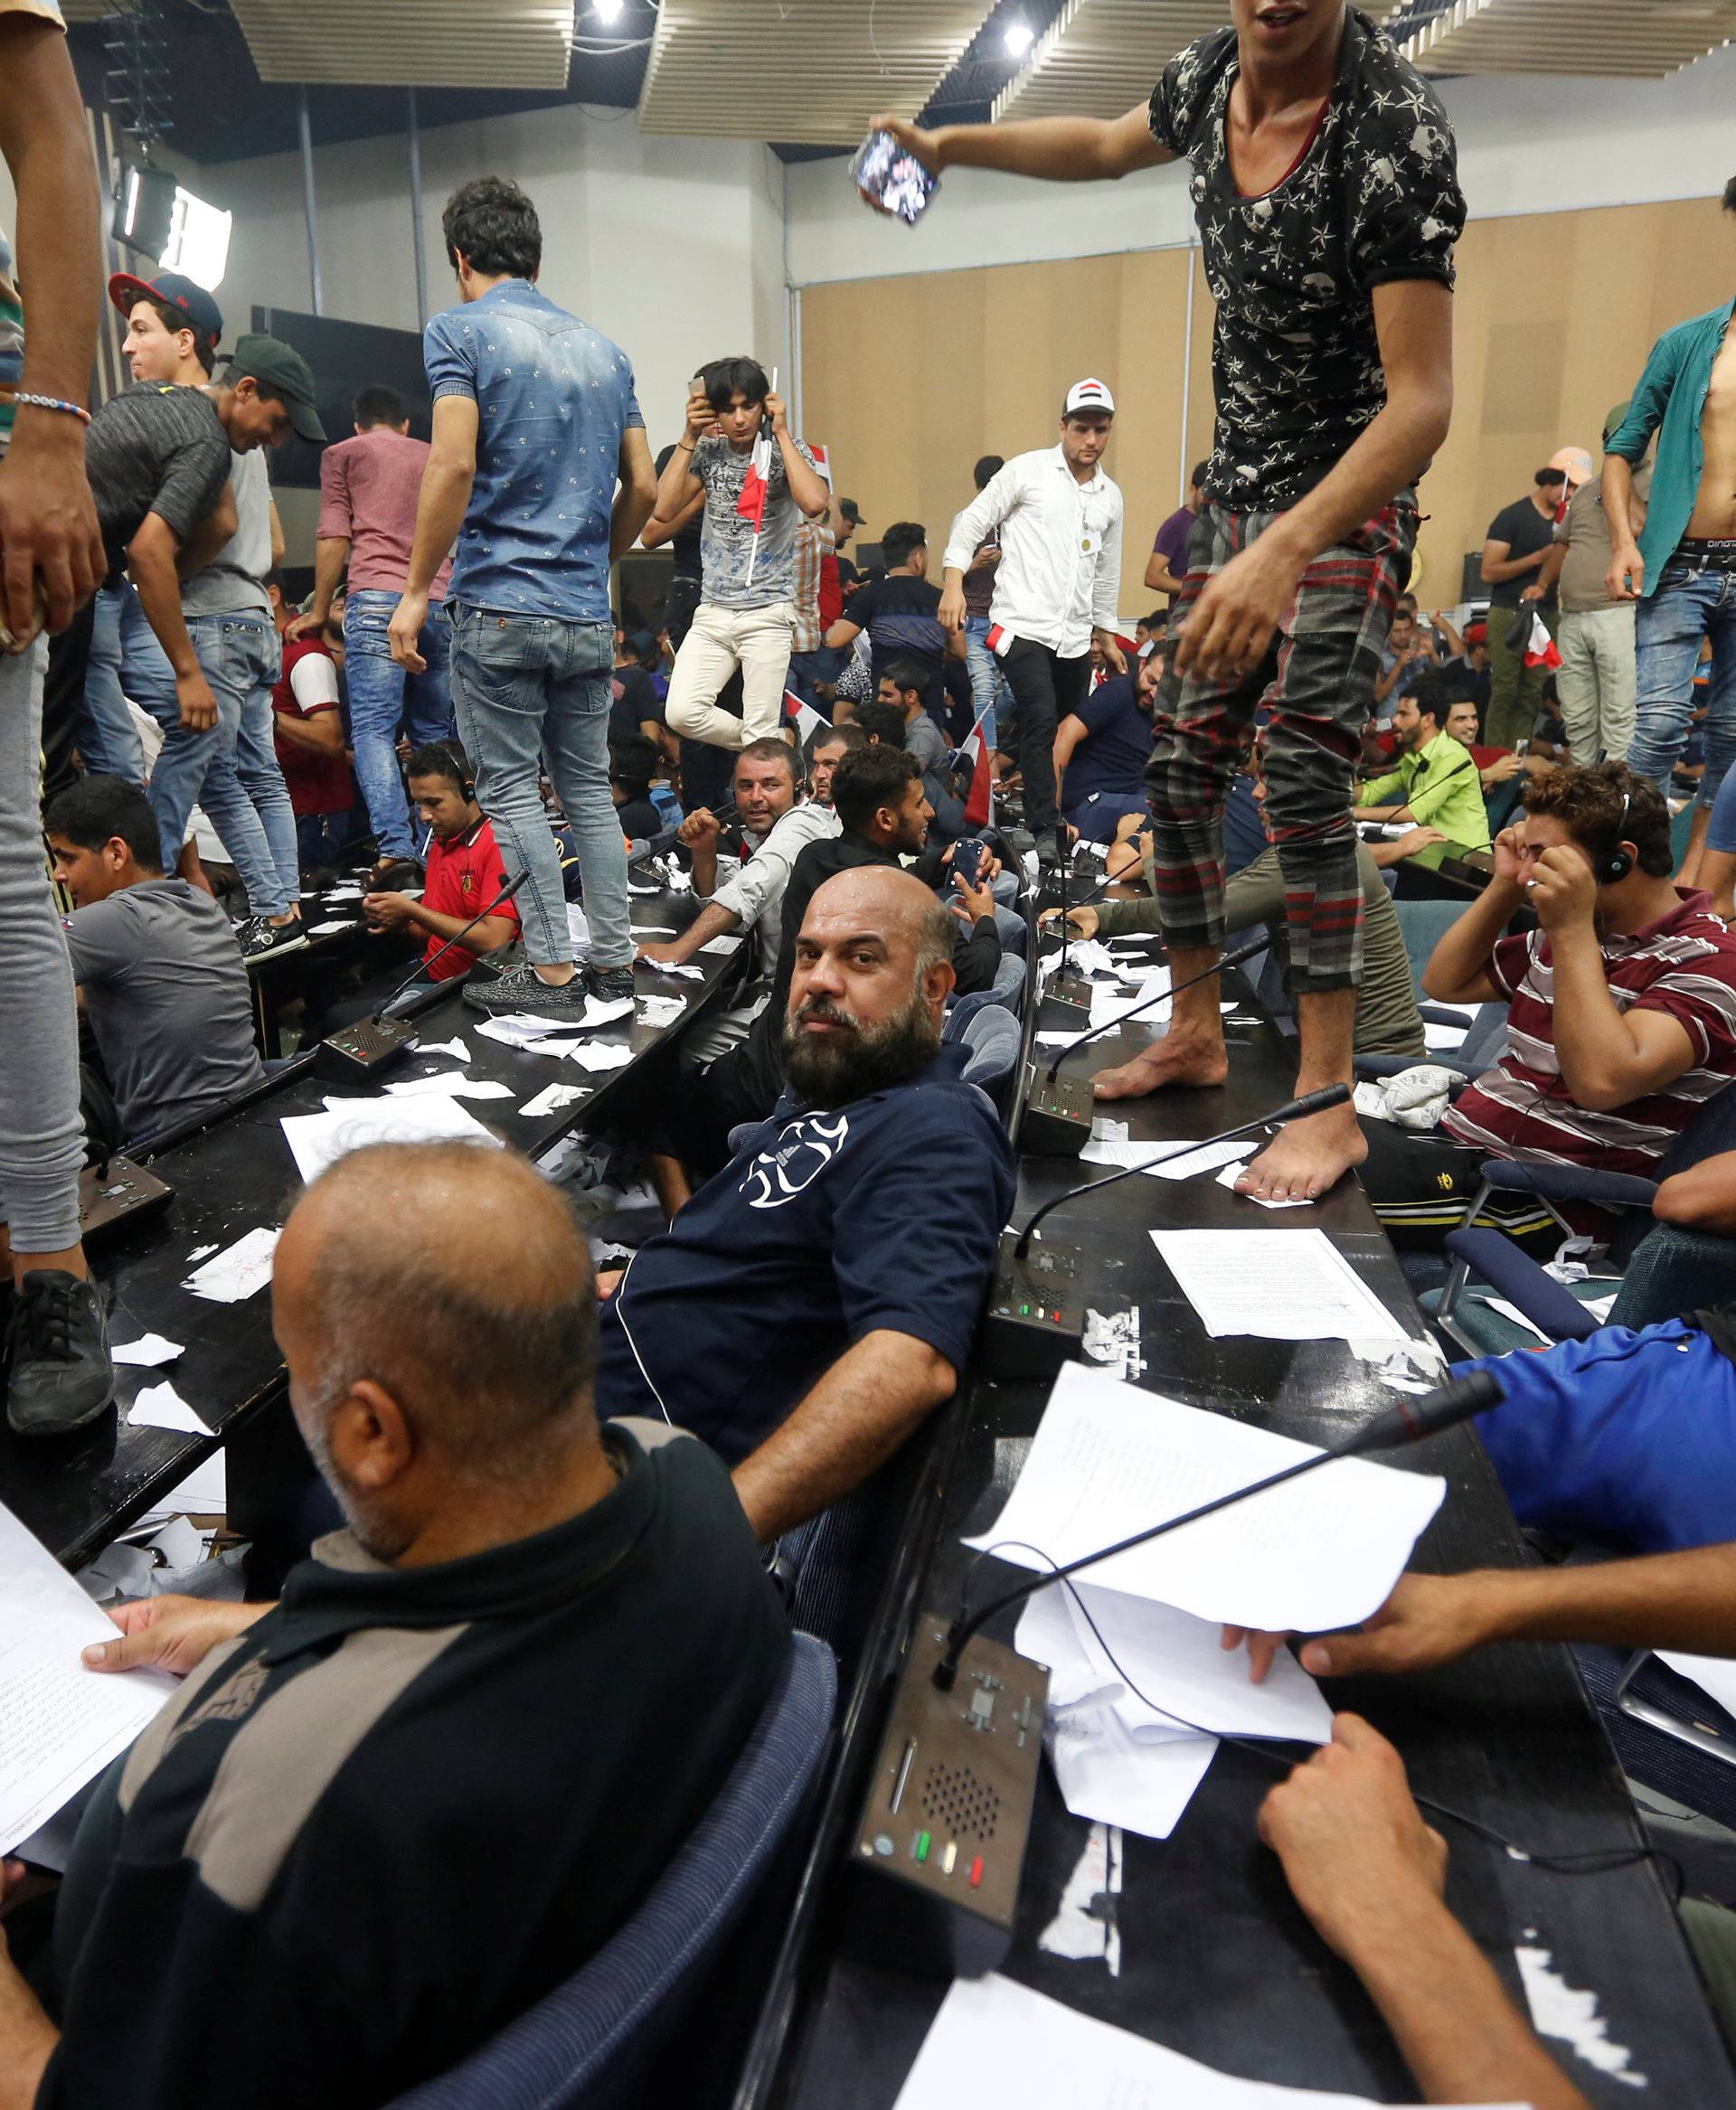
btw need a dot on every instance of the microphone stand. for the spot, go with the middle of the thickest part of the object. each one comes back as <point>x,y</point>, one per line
<point>1244,951</point>
<point>1407,1422</point>
<point>422,967</point>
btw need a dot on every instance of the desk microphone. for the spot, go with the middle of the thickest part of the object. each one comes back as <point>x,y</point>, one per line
<point>1056,1118</point>
<point>1035,1318</point>
<point>354,1054</point>
<point>938,1858</point>
<point>1408,1421</point>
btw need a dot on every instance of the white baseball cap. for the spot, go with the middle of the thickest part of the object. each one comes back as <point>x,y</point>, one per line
<point>1089,395</point>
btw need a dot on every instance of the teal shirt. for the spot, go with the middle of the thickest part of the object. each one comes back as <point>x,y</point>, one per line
<point>1671,394</point>
<point>1442,788</point>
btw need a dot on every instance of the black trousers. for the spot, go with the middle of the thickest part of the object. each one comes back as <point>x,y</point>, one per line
<point>1421,1185</point>
<point>1046,688</point>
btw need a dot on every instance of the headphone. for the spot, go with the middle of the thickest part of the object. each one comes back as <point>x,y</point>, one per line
<point>1619,862</point>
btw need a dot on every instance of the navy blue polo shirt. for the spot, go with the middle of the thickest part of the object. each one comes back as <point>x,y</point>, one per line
<point>822,1228</point>
<point>1114,754</point>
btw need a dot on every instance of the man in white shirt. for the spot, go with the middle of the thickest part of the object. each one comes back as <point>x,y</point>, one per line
<point>749,901</point>
<point>1059,518</point>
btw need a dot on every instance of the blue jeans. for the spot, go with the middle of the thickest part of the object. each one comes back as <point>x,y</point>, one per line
<point>1690,605</point>
<point>126,660</point>
<point>381,694</point>
<point>527,689</point>
<point>239,656</point>
<point>989,687</point>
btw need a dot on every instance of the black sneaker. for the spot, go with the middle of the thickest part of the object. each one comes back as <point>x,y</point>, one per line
<point>524,990</point>
<point>610,983</point>
<point>60,1374</point>
<point>260,936</point>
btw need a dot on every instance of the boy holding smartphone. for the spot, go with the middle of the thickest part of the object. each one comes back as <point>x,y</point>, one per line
<point>753,496</point>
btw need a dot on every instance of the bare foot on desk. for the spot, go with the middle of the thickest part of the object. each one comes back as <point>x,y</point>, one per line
<point>1307,1157</point>
<point>1169,1062</point>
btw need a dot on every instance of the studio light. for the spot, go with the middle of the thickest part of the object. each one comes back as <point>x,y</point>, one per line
<point>1020,36</point>
<point>608,11</point>
<point>198,242</point>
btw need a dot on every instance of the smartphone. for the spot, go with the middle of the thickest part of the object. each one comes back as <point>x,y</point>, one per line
<point>967,861</point>
<point>893,177</point>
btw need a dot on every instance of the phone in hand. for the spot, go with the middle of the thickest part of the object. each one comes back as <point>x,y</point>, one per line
<point>967,857</point>
<point>893,176</point>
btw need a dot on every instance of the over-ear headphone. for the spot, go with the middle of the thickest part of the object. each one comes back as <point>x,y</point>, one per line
<point>1619,862</point>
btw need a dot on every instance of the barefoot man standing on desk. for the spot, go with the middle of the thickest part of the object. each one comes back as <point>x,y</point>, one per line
<point>1324,187</point>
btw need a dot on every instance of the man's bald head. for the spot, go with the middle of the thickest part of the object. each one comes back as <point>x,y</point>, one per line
<point>872,975</point>
<point>456,1281</point>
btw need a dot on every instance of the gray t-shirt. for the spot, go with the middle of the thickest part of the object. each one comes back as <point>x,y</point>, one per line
<point>234,580</point>
<point>726,539</point>
<point>165,992</point>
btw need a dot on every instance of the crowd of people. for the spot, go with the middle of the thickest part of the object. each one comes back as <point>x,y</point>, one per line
<point>533,1470</point>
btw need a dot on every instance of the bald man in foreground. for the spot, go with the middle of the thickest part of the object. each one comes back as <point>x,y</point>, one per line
<point>814,1303</point>
<point>388,1813</point>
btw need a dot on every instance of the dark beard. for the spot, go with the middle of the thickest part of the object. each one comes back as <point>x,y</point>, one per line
<point>834,1069</point>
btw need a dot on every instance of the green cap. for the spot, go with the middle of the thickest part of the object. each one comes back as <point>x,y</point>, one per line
<point>281,369</point>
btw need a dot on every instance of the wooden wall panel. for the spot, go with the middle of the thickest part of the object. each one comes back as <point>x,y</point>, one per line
<point>908,380</point>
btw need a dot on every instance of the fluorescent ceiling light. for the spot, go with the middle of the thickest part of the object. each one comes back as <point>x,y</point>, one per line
<point>608,11</point>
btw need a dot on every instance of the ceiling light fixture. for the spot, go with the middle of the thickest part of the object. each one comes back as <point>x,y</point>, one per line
<point>1020,37</point>
<point>608,11</point>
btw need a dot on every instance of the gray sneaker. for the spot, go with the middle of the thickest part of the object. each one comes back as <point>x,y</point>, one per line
<point>611,984</point>
<point>524,990</point>
<point>60,1374</point>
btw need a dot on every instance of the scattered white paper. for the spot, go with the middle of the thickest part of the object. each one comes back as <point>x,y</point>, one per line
<point>997,2041</point>
<point>454,1087</point>
<point>661,1011</point>
<point>1231,1173</point>
<point>514,1028</point>
<point>1109,1776</point>
<point>578,929</point>
<point>59,1724</point>
<point>243,1269</point>
<point>686,969</point>
<point>204,1493</point>
<point>552,1098</point>
<point>1715,1675</point>
<point>1514,1317</point>
<point>162,1407</point>
<point>147,1352</point>
<point>1168,1161</point>
<point>589,1055</point>
<point>198,1253</point>
<point>1441,1036</point>
<point>1599,1307</point>
<point>318,1140</point>
<point>336,923</point>
<point>1187,1683</point>
<point>725,942</point>
<point>454,1049</point>
<point>344,893</point>
<point>1281,1285</point>
<point>1320,1552</point>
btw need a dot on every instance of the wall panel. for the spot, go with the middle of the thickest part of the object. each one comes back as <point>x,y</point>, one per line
<point>910,379</point>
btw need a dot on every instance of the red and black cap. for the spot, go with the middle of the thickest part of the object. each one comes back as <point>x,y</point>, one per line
<point>204,317</point>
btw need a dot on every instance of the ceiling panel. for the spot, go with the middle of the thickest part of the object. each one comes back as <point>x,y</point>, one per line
<point>410,44</point>
<point>812,71</point>
<point>1635,38</point>
<point>1098,56</point>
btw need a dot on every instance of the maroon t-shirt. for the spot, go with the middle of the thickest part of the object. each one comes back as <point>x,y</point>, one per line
<point>1683,966</point>
<point>368,490</point>
<point>317,784</point>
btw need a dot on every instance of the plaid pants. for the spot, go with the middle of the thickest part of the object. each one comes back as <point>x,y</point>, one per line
<point>1316,685</point>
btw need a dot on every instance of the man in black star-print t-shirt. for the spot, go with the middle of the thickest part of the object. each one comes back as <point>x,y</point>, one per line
<point>1323,178</point>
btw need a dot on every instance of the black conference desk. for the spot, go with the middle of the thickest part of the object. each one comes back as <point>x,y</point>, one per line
<point>1216,1960</point>
<point>76,1492</point>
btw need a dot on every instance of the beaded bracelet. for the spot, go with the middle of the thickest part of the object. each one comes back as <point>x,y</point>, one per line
<point>52,403</point>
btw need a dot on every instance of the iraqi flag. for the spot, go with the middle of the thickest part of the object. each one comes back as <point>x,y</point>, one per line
<point>806,721</point>
<point>979,802</point>
<point>757,483</point>
<point>1000,640</point>
<point>1540,646</point>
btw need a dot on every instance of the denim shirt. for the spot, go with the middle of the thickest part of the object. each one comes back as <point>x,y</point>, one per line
<point>1672,393</point>
<point>554,399</point>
